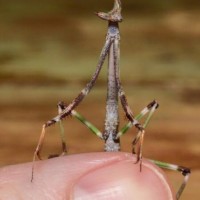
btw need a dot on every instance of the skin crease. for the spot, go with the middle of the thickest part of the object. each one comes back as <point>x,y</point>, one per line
<point>98,176</point>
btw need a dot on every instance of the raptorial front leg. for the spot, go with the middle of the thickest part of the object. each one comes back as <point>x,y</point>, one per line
<point>86,90</point>
<point>121,93</point>
<point>184,171</point>
<point>42,136</point>
<point>140,136</point>
<point>41,141</point>
<point>67,111</point>
<point>61,107</point>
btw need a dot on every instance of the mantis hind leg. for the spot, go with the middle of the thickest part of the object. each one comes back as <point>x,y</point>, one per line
<point>184,171</point>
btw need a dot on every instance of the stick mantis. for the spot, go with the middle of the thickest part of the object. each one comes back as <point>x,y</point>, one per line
<point>111,134</point>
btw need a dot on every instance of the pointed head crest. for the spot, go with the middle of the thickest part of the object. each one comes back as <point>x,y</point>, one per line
<point>114,15</point>
<point>117,4</point>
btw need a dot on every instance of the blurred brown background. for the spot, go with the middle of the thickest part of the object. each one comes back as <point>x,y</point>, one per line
<point>49,50</point>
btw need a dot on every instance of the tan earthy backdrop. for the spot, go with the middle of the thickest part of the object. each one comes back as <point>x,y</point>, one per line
<point>49,50</point>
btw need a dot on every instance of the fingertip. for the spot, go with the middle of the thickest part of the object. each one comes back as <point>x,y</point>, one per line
<point>88,176</point>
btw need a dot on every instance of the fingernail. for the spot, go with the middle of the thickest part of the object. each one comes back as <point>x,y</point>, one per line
<point>121,180</point>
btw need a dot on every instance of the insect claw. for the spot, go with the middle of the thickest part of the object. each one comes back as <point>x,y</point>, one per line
<point>137,160</point>
<point>133,150</point>
<point>38,155</point>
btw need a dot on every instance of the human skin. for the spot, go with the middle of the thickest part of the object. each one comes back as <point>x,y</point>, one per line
<point>92,176</point>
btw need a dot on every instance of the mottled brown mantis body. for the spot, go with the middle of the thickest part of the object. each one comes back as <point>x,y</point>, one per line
<point>111,134</point>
